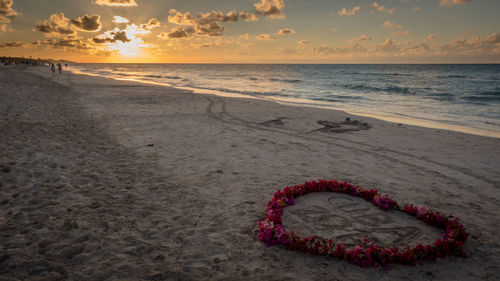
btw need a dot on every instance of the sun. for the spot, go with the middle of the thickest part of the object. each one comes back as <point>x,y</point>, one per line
<point>135,46</point>
<point>129,49</point>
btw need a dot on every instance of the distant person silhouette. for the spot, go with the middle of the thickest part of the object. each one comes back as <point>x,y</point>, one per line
<point>59,66</point>
<point>53,68</point>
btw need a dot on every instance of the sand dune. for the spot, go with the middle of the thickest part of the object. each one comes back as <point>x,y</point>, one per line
<point>115,180</point>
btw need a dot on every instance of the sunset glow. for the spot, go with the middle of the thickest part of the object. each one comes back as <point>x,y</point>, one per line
<point>281,31</point>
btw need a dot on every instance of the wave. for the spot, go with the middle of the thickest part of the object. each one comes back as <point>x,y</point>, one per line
<point>285,80</point>
<point>163,76</point>
<point>242,92</point>
<point>452,76</point>
<point>327,99</point>
<point>378,74</point>
<point>484,96</point>
<point>389,89</point>
<point>441,96</point>
<point>121,74</point>
<point>492,93</point>
<point>338,98</point>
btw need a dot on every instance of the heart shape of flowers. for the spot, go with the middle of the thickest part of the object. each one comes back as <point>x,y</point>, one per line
<point>367,254</point>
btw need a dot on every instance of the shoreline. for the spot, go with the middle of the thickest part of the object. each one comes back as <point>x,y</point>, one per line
<point>106,180</point>
<point>394,118</point>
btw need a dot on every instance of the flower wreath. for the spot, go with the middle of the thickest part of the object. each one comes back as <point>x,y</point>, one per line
<point>367,254</point>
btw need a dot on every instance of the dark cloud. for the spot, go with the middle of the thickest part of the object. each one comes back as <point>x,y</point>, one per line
<point>175,33</point>
<point>247,16</point>
<point>70,43</point>
<point>152,23</point>
<point>112,37</point>
<point>6,11</point>
<point>270,8</point>
<point>14,44</point>
<point>266,37</point>
<point>117,3</point>
<point>88,23</point>
<point>286,31</point>
<point>56,26</point>
<point>208,24</point>
<point>212,29</point>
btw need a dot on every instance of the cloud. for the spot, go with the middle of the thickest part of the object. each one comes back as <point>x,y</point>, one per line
<point>116,3</point>
<point>270,8</point>
<point>180,18</point>
<point>448,3</point>
<point>429,38</point>
<point>351,12</point>
<point>303,42</point>
<point>419,49</point>
<point>247,16</point>
<point>401,32</point>
<point>88,23</point>
<point>245,36</point>
<point>3,28</point>
<point>325,50</point>
<point>286,31</point>
<point>213,29</point>
<point>56,26</point>
<point>69,43</point>
<point>364,38</point>
<point>201,45</point>
<point>388,46</point>
<point>118,19</point>
<point>389,24</point>
<point>208,24</point>
<point>14,44</point>
<point>152,23</point>
<point>176,33</point>
<point>380,8</point>
<point>474,45</point>
<point>266,37</point>
<point>112,37</point>
<point>6,11</point>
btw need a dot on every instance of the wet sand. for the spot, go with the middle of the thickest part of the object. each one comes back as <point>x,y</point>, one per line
<point>115,180</point>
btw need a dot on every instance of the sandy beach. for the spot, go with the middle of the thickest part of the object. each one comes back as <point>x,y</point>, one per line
<point>103,179</point>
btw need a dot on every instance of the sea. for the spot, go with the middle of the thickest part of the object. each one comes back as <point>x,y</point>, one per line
<point>456,97</point>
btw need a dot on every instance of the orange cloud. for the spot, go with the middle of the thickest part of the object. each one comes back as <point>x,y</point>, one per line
<point>452,2</point>
<point>351,12</point>
<point>266,37</point>
<point>270,8</point>
<point>389,24</point>
<point>6,11</point>
<point>117,3</point>
<point>286,31</point>
<point>380,8</point>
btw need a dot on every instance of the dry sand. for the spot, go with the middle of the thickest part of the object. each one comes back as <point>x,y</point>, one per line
<point>113,180</point>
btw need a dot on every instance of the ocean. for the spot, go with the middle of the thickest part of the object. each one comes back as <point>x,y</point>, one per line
<point>458,97</point>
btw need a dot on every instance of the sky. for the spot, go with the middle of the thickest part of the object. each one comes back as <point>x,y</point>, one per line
<point>252,31</point>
